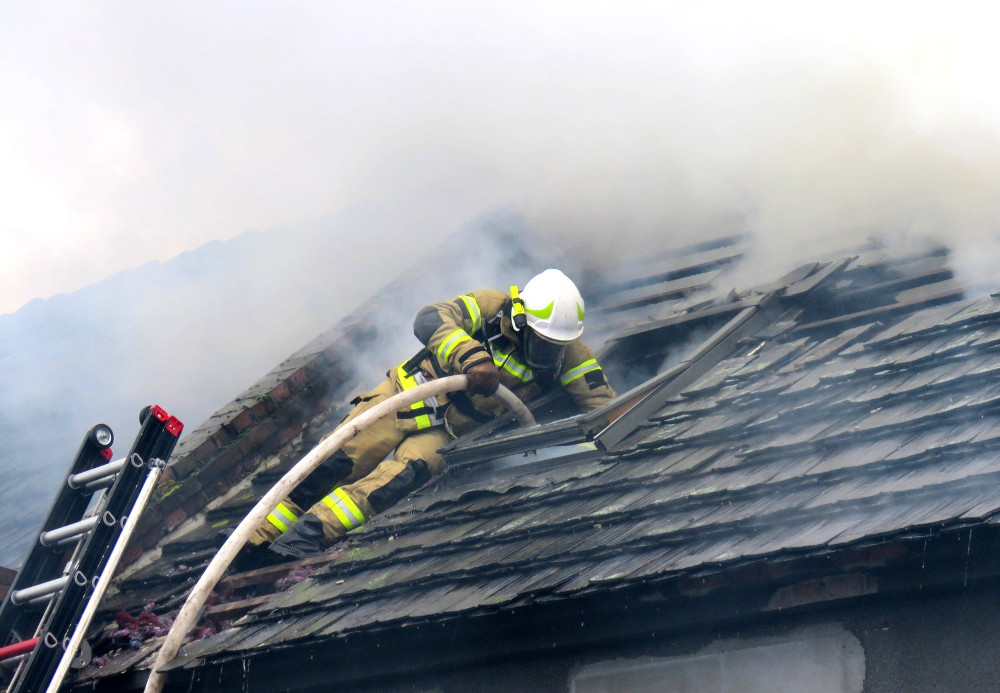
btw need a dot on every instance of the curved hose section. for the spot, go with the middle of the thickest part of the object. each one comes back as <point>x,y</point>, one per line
<point>188,616</point>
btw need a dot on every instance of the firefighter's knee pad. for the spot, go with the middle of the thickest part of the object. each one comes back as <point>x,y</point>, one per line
<point>327,475</point>
<point>415,474</point>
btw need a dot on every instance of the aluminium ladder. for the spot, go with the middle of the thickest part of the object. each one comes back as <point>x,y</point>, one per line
<point>76,552</point>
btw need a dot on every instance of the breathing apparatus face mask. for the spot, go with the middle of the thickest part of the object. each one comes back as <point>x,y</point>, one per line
<point>543,357</point>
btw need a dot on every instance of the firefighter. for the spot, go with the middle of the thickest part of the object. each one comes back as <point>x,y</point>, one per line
<point>527,340</point>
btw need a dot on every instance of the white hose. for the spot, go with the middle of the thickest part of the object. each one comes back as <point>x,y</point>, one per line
<point>187,617</point>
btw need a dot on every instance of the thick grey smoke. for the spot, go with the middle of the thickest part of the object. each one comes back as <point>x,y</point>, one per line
<point>193,333</point>
<point>812,161</point>
<point>137,132</point>
<point>369,133</point>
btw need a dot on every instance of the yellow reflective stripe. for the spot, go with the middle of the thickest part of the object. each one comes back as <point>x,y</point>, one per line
<point>350,505</point>
<point>510,364</point>
<point>281,517</point>
<point>580,371</point>
<point>282,527</point>
<point>472,305</point>
<point>450,342</point>
<point>346,510</point>
<point>423,421</point>
<point>408,382</point>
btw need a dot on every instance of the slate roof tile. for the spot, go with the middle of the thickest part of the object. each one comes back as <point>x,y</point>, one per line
<point>984,308</point>
<point>988,432</point>
<point>618,568</point>
<point>989,338</point>
<point>669,432</point>
<point>772,356</point>
<point>305,628</point>
<point>922,321</point>
<point>823,351</point>
<point>851,434</point>
<point>809,381</point>
<point>795,467</point>
<point>987,507</point>
<point>858,456</point>
<point>715,378</point>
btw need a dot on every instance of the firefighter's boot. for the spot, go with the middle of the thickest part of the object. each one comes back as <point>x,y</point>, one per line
<point>277,522</point>
<point>303,539</point>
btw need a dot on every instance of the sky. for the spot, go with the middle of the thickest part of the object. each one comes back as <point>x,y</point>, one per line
<point>133,131</point>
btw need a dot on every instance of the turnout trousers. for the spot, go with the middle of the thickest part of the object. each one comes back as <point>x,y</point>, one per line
<point>359,481</point>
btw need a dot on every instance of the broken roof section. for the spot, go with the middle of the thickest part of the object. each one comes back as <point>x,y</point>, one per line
<point>222,467</point>
<point>810,417</point>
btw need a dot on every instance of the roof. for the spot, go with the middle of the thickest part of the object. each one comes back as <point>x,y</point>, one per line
<point>850,405</point>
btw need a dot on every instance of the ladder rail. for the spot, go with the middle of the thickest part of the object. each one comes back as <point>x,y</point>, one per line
<point>68,506</point>
<point>69,583</point>
<point>104,580</point>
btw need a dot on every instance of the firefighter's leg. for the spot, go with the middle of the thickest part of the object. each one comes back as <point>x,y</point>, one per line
<point>276,522</point>
<point>348,507</point>
<point>354,460</point>
<point>416,460</point>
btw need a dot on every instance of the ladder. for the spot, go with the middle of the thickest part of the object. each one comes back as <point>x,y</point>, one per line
<point>48,608</point>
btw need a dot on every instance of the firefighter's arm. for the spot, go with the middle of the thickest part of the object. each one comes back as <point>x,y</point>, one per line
<point>583,378</point>
<point>446,330</point>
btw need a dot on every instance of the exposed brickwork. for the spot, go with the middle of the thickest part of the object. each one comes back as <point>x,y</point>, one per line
<point>174,519</point>
<point>249,465</point>
<point>196,503</point>
<point>298,378</point>
<point>254,441</point>
<point>151,516</point>
<point>184,465</point>
<point>261,422</point>
<point>151,538</point>
<point>280,392</point>
<point>206,451</point>
<point>132,553</point>
<point>220,437</point>
<point>241,422</point>
<point>217,489</point>
<point>167,479</point>
<point>263,407</point>
<point>289,432</point>
<point>235,474</point>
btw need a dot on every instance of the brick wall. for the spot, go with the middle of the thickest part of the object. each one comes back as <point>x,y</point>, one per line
<point>262,420</point>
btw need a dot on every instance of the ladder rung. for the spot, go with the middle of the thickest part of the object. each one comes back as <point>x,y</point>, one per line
<point>105,471</point>
<point>71,531</point>
<point>42,589</point>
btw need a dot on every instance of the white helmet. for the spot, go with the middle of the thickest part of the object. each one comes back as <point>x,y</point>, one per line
<point>553,306</point>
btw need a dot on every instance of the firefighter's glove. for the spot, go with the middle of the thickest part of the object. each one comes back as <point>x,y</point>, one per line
<point>484,379</point>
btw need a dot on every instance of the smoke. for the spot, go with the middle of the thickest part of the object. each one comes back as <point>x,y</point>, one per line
<point>365,135</point>
<point>192,333</point>
<point>136,133</point>
<point>492,251</point>
<point>813,162</point>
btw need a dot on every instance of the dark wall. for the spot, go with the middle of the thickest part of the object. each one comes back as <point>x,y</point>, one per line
<point>936,642</point>
<point>941,643</point>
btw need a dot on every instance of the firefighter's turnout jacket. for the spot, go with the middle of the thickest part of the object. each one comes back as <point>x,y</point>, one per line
<point>476,327</point>
<point>358,482</point>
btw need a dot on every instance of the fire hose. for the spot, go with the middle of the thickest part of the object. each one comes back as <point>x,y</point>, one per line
<point>191,611</point>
